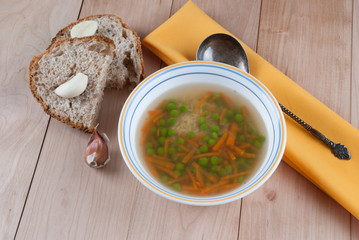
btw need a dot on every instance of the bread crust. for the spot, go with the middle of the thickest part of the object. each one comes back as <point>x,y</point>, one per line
<point>34,63</point>
<point>138,41</point>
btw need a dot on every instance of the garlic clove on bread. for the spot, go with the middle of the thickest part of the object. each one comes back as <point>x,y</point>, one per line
<point>74,87</point>
<point>84,29</point>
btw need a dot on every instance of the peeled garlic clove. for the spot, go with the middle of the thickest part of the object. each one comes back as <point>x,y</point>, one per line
<point>84,29</point>
<point>73,87</point>
<point>97,153</point>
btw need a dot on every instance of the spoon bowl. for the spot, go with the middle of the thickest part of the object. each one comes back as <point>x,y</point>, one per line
<point>224,48</point>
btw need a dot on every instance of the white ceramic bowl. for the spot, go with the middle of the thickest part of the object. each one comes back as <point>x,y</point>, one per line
<point>193,74</point>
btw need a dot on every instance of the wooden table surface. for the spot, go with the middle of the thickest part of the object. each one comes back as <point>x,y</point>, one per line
<point>46,190</point>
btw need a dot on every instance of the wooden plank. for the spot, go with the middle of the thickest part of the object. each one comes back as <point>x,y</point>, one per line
<point>310,42</point>
<point>69,200</point>
<point>25,31</point>
<point>354,93</point>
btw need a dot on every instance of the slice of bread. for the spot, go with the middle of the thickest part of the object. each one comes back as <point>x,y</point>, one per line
<point>127,66</point>
<point>91,56</point>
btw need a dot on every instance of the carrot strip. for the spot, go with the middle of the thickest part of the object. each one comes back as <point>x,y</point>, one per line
<point>188,188</point>
<point>205,97</point>
<point>188,156</point>
<point>232,134</point>
<point>223,114</point>
<point>166,147</point>
<point>238,150</point>
<point>168,171</point>
<point>235,175</point>
<point>214,187</point>
<point>231,155</point>
<point>161,158</point>
<point>244,111</point>
<point>210,154</point>
<point>154,112</point>
<point>192,178</point>
<point>203,172</point>
<point>250,155</point>
<point>159,106</point>
<point>198,175</point>
<point>180,154</point>
<point>158,132</point>
<point>198,137</point>
<point>229,186</point>
<point>154,171</point>
<point>160,163</point>
<point>244,146</point>
<point>220,141</point>
<point>155,119</point>
<point>227,100</point>
<point>180,179</point>
<point>193,143</point>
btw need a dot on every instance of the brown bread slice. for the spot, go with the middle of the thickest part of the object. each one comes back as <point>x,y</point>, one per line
<point>91,56</point>
<point>127,66</point>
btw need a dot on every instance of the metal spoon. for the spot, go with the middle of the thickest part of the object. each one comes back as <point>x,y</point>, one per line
<point>224,48</point>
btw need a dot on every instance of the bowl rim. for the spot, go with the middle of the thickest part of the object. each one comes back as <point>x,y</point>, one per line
<point>198,200</point>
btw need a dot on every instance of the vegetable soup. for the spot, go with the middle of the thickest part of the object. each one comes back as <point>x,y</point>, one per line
<point>202,143</point>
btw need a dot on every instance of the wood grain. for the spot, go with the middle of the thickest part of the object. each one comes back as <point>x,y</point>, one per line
<point>65,193</point>
<point>24,32</point>
<point>302,42</point>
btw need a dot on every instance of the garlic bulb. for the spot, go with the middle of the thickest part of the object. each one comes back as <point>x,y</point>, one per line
<point>97,152</point>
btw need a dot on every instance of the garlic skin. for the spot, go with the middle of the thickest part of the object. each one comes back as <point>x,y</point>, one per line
<point>97,152</point>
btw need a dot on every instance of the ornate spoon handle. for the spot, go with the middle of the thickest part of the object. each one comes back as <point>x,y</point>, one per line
<point>340,151</point>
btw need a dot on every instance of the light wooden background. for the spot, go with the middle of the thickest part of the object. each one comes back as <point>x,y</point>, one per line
<point>47,192</point>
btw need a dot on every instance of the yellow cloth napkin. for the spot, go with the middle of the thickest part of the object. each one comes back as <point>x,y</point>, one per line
<point>177,40</point>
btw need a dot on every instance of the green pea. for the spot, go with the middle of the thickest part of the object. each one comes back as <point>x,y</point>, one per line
<point>164,178</point>
<point>172,100</point>
<point>163,132</point>
<point>203,161</point>
<point>215,129</point>
<point>211,142</point>
<point>230,113</point>
<point>238,117</point>
<point>240,179</point>
<point>174,113</point>
<point>149,145</point>
<point>214,135</point>
<point>176,186</point>
<point>257,144</point>
<point>171,132</point>
<point>177,172</point>
<point>215,116</point>
<point>225,120</point>
<point>180,166</point>
<point>150,151</point>
<point>183,109</point>
<point>208,184</point>
<point>203,148</point>
<point>180,141</point>
<point>228,168</point>
<point>171,121</point>
<point>204,126</point>
<point>202,120</point>
<point>171,106</point>
<point>162,122</point>
<point>190,134</point>
<point>222,172</point>
<point>172,150</point>
<point>215,160</point>
<point>261,138</point>
<point>205,113</point>
<point>161,140</point>
<point>160,151</point>
<point>153,130</point>
<point>205,138</point>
